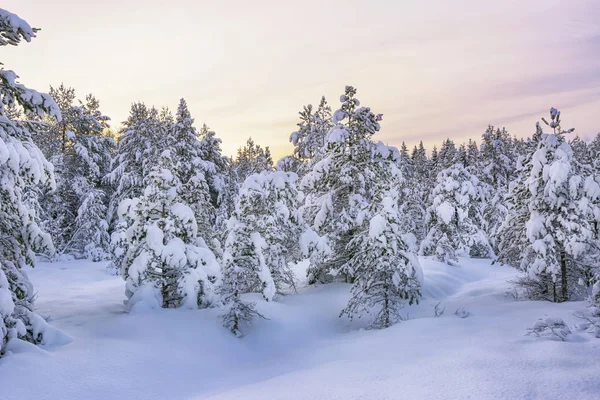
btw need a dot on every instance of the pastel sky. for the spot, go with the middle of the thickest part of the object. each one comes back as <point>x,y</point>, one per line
<point>434,68</point>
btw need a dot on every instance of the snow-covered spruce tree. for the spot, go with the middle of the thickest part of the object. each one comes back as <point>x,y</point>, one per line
<point>309,139</point>
<point>222,182</point>
<point>421,165</point>
<point>473,156</point>
<point>497,167</point>
<point>411,198</point>
<point>386,272</point>
<point>433,161</point>
<point>268,204</point>
<point>227,200</point>
<point>413,206</point>
<point>135,155</point>
<point>22,165</point>
<point>497,159</point>
<point>264,234</point>
<point>91,239</point>
<point>447,156</point>
<point>511,236</point>
<point>193,171</point>
<point>163,265</point>
<point>138,140</point>
<point>244,271</point>
<point>75,213</point>
<point>454,217</point>
<point>252,159</point>
<point>407,165</point>
<point>581,151</point>
<point>236,270</point>
<point>561,247</point>
<point>342,184</point>
<point>594,150</point>
<point>416,189</point>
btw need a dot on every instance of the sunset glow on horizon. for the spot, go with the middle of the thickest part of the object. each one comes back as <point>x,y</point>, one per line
<point>435,69</point>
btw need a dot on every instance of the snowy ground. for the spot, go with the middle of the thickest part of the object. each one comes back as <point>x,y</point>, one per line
<point>304,351</point>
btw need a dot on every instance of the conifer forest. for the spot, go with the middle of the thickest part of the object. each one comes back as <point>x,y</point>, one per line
<point>139,260</point>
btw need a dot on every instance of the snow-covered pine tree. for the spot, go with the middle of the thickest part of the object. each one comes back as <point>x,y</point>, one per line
<point>411,196</point>
<point>309,139</point>
<point>447,155</point>
<point>193,172</point>
<point>22,165</point>
<point>461,155</point>
<point>268,209</point>
<point>91,239</point>
<point>222,181</point>
<point>227,199</point>
<point>511,234</point>
<point>75,213</point>
<point>421,163</point>
<point>433,162</point>
<point>252,159</point>
<point>137,141</point>
<point>416,191</point>
<point>163,265</point>
<point>473,157</point>
<point>454,217</point>
<point>244,269</point>
<point>413,208</point>
<point>497,167</point>
<point>270,203</point>
<point>497,161</point>
<point>236,272</point>
<point>341,185</point>
<point>581,150</point>
<point>387,273</point>
<point>594,150</point>
<point>561,246</point>
<point>134,157</point>
<point>407,165</point>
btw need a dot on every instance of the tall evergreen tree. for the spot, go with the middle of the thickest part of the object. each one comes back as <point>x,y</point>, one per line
<point>387,273</point>
<point>560,238</point>
<point>511,233</point>
<point>193,171</point>
<point>75,213</point>
<point>163,265</point>
<point>420,162</point>
<point>342,184</point>
<point>454,217</point>
<point>22,165</point>
<point>412,198</point>
<point>309,139</point>
<point>497,168</point>
<point>138,140</point>
<point>136,155</point>
<point>222,182</point>
<point>245,268</point>
<point>268,205</point>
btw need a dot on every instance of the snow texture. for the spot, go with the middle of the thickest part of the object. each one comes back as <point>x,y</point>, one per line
<point>304,350</point>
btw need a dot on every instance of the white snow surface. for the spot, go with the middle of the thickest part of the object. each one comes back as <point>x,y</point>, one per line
<point>303,351</point>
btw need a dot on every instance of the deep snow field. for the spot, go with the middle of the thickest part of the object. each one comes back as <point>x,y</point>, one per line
<point>303,351</point>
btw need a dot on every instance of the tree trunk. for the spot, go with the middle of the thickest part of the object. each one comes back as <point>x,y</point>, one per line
<point>563,276</point>
<point>387,310</point>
